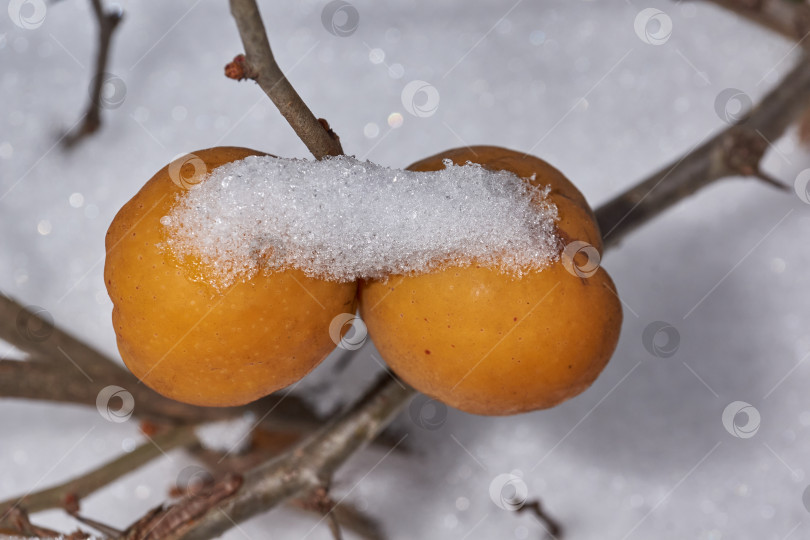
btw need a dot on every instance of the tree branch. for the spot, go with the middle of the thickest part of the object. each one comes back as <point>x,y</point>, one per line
<point>107,23</point>
<point>261,66</point>
<point>38,380</point>
<point>266,444</point>
<point>18,524</point>
<point>306,467</point>
<point>64,369</point>
<point>549,524</point>
<point>790,18</point>
<point>68,494</point>
<point>736,151</point>
<point>33,331</point>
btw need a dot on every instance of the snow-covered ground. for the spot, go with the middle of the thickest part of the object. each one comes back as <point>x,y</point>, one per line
<point>644,453</point>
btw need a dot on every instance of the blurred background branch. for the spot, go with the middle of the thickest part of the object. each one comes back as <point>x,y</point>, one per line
<point>108,21</point>
<point>62,368</point>
<point>68,494</point>
<point>736,151</point>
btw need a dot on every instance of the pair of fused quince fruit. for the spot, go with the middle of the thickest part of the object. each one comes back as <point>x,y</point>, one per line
<point>472,337</point>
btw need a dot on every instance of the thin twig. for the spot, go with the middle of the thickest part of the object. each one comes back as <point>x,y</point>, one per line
<point>62,383</point>
<point>68,494</point>
<point>107,23</point>
<point>334,526</point>
<point>549,523</point>
<point>266,445</point>
<point>307,467</point>
<point>162,521</point>
<point>791,18</point>
<point>17,523</point>
<point>33,331</point>
<point>736,151</point>
<point>261,66</point>
<point>65,369</point>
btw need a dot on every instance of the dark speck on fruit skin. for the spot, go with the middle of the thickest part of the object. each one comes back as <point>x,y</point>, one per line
<point>427,351</point>
<point>514,319</point>
<point>569,366</point>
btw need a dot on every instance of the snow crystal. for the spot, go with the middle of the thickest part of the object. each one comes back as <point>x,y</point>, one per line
<point>342,219</point>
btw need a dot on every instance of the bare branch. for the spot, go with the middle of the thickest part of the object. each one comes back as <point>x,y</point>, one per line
<point>737,151</point>
<point>307,467</point>
<point>64,369</point>
<point>261,66</point>
<point>107,23</point>
<point>34,332</point>
<point>264,446</point>
<point>68,494</point>
<point>551,525</point>
<point>334,526</point>
<point>17,523</point>
<point>162,521</point>
<point>790,18</point>
<point>357,521</point>
<point>320,502</point>
<point>64,384</point>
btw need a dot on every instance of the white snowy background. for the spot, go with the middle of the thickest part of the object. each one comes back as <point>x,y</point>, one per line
<point>641,454</point>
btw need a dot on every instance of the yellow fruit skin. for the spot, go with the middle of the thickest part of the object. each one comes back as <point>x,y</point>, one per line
<point>193,343</point>
<point>489,343</point>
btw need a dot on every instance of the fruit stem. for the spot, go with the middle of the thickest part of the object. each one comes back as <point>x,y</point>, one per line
<point>260,65</point>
